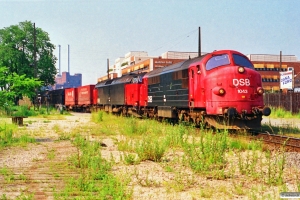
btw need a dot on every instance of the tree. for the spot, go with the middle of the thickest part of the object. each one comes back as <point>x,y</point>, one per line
<point>26,50</point>
<point>13,85</point>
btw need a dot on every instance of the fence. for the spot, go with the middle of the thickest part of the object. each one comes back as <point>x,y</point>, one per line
<point>290,101</point>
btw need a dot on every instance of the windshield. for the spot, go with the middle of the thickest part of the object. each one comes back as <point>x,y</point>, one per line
<point>217,61</point>
<point>242,61</point>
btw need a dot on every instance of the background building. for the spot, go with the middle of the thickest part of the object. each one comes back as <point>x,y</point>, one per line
<point>65,80</point>
<point>139,61</point>
<point>270,66</point>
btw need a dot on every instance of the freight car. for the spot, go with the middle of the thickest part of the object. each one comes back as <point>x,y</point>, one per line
<point>52,98</point>
<point>121,95</point>
<point>80,99</point>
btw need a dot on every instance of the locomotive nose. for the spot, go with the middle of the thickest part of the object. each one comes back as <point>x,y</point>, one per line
<point>266,111</point>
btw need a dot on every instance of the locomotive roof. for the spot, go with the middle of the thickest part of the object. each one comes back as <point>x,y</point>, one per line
<point>175,67</point>
<point>124,79</point>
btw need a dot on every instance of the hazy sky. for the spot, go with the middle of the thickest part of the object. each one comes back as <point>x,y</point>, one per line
<point>97,30</point>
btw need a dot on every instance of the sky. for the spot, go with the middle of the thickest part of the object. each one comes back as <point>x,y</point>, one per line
<point>97,30</point>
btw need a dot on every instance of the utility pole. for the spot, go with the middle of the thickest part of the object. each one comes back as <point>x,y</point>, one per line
<point>280,66</point>
<point>199,45</point>
<point>34,51</point>
<point>34,65</point>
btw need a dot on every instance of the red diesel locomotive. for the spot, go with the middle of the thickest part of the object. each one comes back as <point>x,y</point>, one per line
<point>220,89</point>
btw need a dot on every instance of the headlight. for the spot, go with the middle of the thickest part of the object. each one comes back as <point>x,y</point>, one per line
<point>260,90</point>
<point>241,69</point>
<point>219,91</point>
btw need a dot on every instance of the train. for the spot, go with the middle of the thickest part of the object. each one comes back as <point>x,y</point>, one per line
<point>220,89</point>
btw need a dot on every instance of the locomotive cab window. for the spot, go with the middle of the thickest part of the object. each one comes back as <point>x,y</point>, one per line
<point>217,61</point>
<point>242,61</point>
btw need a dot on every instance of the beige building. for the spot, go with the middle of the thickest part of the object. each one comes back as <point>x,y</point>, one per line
<point>269,66</point>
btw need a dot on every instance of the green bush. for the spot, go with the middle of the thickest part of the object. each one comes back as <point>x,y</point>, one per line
<point>23,111</point>
<point>150,148</point>
<point>207,153</point>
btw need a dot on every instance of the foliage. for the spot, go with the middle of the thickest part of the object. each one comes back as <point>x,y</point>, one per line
<point>13,85</point>
<point>150,148</point>
<point>279,112</point>
<point>26,50</point>
<point>22,111</point>
<point>26,62</point>
<point>207,153</point>
<point>97,116</point>
<point>7,136</point>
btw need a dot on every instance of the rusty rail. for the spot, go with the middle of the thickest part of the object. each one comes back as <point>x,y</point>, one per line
<point>289,143</point>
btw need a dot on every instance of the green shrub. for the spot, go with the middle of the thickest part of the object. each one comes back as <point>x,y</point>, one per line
<point>23,111</point>
<point>150,148</point>
<point>208,153</point>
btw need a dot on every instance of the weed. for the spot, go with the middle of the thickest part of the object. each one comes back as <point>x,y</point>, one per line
<point>57,128</point>
<point>176,136</point>
<point>63,136</point>
<point>3,197</point>
<point>144,180</point>
<point>51,154</point>
<point>168,168</point>
<point>7,137</point>
<point>23,196</point>
<point>298,183</point>
<point>8,174</point>
<point>130,159</point>
<point>239,189</point>
<point>150,148</point>
<point>97,116</point>
<point>207,154</point>
<point>134,127</point>
<point>280,112</point>
<point>126,145</point>
<point>23,177</point>
<point>206,193</point>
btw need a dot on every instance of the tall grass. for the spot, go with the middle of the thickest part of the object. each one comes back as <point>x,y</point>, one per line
<point>279,112</point>
<point>207,153</point>
<point>7,137</point>
<point>213,154</point>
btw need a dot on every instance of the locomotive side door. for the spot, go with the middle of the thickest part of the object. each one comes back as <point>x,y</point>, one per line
<point>191,87</point>
<point>196,90</point>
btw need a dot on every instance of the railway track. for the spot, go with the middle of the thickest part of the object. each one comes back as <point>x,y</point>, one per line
<point>290,144</point>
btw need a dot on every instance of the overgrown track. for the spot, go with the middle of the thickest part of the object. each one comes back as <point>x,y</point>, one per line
<point>32,171</point>
<point>289,143</point>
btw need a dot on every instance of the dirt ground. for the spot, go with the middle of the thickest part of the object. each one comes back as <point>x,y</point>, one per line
<point>30,169</point>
